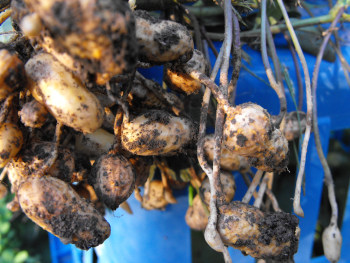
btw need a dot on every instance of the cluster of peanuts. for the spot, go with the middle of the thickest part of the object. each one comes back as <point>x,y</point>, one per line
<point>79,125</point>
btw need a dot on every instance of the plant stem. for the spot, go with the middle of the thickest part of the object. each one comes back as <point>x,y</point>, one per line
<point>275,85</point>
<point>275,29</point>
<point>256,179</point>
<point>236,60</point>
<point>297,70</point>
<point>296,203</point>
<point>327,172</point>
<point>262,189</point>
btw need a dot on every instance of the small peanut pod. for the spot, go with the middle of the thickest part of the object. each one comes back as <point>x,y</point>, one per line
<point>177,79</point>
<point>260,235</point>
<point>155,198</point>
<point>162,41</point>
<point>113,179</point>
<point>229,160</point>
<point>12,76</point>
<point>98,34</point>
<point>332,241</point>
<point>228,187</point>
<point>274,157</point>
<point>33,114</point>
<point>57,208</point>
<point>247,128</point>
<point>156,132</point>
<point>11,141</point>
<point>196,217</point>
<point>63,94</point>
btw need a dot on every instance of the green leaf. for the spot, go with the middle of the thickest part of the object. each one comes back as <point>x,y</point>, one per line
<point>4,227</point>
<point>22,256</point>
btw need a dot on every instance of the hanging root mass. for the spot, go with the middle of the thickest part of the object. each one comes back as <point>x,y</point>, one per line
<point>81,129</point>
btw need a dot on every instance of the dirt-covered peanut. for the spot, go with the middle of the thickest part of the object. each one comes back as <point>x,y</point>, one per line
<point>11,141</point>
<point>196,216</point>
<point>229,160</point>
<point>33,114</point>
<point>94,144</point>
<point>177,79</point>
<point>162,41</point>
<point>63,94</point>
<point>113,179</point>
<point>3,190</point>
<point>155,199</point>
<point>228,187</point>
<point>260,235</point>
<point>12,76</point>
<point>34,159</point>
<point>57,208</point>
<point>98,34</point>
<point>332,243</point>
<point>274,156</point>
<point>246,129</point>
<point>157,132</point>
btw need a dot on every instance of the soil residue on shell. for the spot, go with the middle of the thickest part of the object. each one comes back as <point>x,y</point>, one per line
<point>168,37</point>
<point>281,227</point>
<point>156,116</point>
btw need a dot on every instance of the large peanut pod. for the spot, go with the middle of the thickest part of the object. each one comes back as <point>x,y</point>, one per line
<point>11,141</point>
<point>247,128</point>
<point>98,34</point>
<point>162,41</point>
<point>63,94</point>
<point>57,208</point>
<point>156,132</point>
<point>260,235</point>
<point>12,75</point>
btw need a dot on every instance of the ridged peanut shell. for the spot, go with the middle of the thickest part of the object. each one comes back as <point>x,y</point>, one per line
<point>63,94</point>
<point>57,208</point>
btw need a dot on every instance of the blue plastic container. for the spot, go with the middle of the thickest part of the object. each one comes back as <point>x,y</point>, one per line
<point>163,236</point>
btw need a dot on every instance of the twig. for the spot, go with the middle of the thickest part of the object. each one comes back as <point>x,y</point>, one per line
<point>262,189</point>
<point>327,172</point>
<point>269,193</point>
<point>275,29</point>
<point>210,43</point>
<point>297,70</point>
<point>211,233</point>
<point>118,101</point>
<point>196,27</point>
<point>236,60</point>
<point>248,195</point>
<point>296,203</point>
<point>274,84</point>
